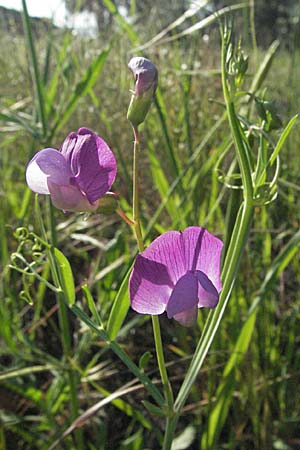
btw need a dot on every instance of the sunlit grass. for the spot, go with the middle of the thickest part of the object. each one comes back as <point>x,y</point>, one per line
<point>262,391</point>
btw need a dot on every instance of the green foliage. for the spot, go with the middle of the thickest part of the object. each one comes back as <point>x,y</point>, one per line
<point>65,276</point>
<point>247,395</point>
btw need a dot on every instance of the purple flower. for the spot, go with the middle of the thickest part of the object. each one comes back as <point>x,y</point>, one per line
<point>146,79</point>
<point>178,273</point>
<point>78,175</point>
<point>145,74</point>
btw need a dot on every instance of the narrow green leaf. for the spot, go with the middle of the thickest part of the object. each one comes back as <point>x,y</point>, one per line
<point>225,390</point>
<point>144,359</point>
<point>264,68</point>
<point>144,379</point>
<point>153,409</point>
<point>91,304</point>
<point>39,88</point>
<point>282,139</point>
<point>65,275</point>
<point>119,309</point>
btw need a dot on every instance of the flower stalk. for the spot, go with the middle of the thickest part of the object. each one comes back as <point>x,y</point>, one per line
<point>162,365</point>
<point>232,258</point>
<point>62,315</point>
<point>135,199</point>
<point>168,393</point>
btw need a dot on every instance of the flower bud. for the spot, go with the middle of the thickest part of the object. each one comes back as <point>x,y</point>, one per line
<point>146,78</point>
<point>108,203</point>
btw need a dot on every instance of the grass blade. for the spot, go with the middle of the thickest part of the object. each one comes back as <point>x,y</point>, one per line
<point>111,7</point>
<point>282,139</point>
<point>119,309</point>
<point>39,88</point>
<point>82,88</point>
<point>65,276</point>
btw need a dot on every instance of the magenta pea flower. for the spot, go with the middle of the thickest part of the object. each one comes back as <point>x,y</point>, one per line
<point>178,273</point>
<point>145,74</point>
<point>77,175</point>
<point>146,78</point>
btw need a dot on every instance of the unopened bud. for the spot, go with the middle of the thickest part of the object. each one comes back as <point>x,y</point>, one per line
<point>146,79</point>
<point>107,204</point>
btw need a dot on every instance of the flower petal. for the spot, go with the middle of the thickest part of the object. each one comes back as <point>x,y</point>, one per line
<point>202,251</point>
<point>167,249</point>
<point>150,286</point>
<point>188,317</point>
<point>47,164</point>
<point>208,295</point>
<point>69,198</point>
<point>93,164</point>
<point>68,146</point>
<point>184,295</point>
<point>145,73</point>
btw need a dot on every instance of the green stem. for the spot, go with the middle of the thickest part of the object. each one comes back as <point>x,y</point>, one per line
<point>169,432</point>
<point>231,264</point>
<point>252,28</point>
<point>168,394</point>
<point>63,320</point>
<point>36,76</point>
<point>161,364</point>
<point>237,133</point>
<point>135,200</point>
<point>115,347</point>
<point>235,250</point>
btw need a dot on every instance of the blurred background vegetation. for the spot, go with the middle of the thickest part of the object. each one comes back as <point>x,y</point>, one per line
<point>54,80</point>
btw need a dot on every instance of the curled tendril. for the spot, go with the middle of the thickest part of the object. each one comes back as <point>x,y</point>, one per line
<point>38,250</point>
<point>25,296</point>
<point>14,257</point>
<point>21,234</point>
<point>232,181</point>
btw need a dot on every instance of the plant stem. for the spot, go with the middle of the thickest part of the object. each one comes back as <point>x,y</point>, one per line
<point>135,200</point>
<point>63,322</point>
<point>168,394</point>
<point>236,131</point>
<point>161,363</point>
<point>235,249</point>
<point>231,264</point>
<point>169,432</point>
<point>123,216</point>
<point>35,71</point>
<point>118,350</point>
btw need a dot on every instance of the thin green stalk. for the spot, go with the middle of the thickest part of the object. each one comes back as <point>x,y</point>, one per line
<point>115,347</point>
<point>161,363</point>
<point>252,28</point>
<point>63,317</point>
<point>236,133</point>
<point>235,250</point>
<point>231,264</point>
<point>135,200</point>
<point>36,75</point>
<point>168,394</point>
<point>169,432</point>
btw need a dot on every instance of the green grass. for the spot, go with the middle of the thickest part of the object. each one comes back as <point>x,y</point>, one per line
<point>247,395</point>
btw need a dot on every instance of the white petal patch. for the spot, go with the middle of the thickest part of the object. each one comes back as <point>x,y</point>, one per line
<point>36,178</point>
